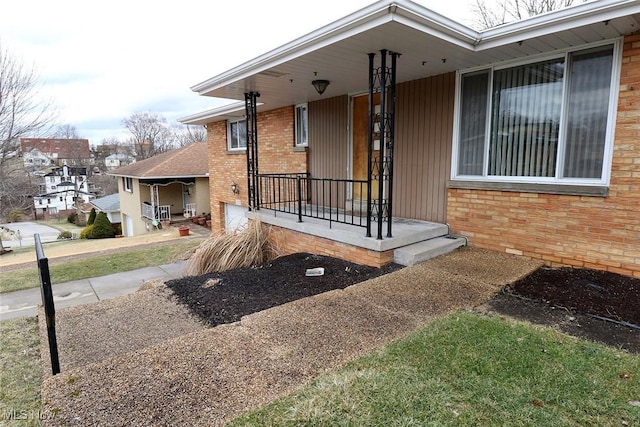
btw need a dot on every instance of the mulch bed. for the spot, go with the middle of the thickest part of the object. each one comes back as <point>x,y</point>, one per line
<point>595,305</point>
<point>598,293</point>
<point>225,297</point>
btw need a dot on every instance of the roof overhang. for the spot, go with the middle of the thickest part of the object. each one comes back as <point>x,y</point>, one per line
<point>429,44</point>
<point>159,177</point>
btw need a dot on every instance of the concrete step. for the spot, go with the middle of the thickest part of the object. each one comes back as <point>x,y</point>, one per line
<point>422,251</point>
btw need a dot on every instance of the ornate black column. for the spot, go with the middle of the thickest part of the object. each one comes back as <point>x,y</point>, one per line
<point>251,115</point>
<point>382,81</point>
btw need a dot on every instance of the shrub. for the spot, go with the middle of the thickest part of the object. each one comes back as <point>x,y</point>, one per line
<point>72,217</point>
<point>64,235</point>
<point>247,247</point>
<point>92,216</point>
<point>84,234</point>
<point>102,227</point>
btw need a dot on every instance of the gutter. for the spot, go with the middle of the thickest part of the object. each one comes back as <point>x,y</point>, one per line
<point>372,16</point>
<point>575,16</point>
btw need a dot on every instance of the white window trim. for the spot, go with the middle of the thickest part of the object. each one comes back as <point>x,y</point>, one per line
<point>127,184</point>
<point>229,122</point>
<point>296,125</point>
<point>611,120</point>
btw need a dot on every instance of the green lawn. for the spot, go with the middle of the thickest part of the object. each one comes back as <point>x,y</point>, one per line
<point>464,370</point>
<point>97,266</point>
<point>471,370</point>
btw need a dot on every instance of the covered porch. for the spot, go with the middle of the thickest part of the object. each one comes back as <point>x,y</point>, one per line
<point>413,241</point>
<point>170,200</point>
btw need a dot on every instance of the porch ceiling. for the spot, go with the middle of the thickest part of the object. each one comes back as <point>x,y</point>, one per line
<point>429,45</point>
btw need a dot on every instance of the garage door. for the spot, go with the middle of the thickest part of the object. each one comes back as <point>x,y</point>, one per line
<point>234,217</point>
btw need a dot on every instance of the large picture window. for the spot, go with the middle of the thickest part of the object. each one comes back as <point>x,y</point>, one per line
<point>540,122</point>
<point>237,135</point>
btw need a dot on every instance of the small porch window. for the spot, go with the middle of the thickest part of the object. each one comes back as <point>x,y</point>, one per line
<point>236,135</point>
<point>547,122</point>
<point>302,126</point>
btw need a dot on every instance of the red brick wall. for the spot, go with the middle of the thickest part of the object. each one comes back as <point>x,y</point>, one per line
<point>593,232</point>
<point>290,242</point>
<point>275,154</point>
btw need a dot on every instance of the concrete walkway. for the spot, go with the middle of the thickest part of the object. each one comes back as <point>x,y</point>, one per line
<point>25,303</point>
<point>120,368</point>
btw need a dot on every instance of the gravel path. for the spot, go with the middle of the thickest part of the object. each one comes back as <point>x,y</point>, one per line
<point>209,376</point>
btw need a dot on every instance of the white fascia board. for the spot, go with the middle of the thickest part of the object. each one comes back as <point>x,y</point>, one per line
<point>430,22</point>
<point>560,20</point>
<point>203,116</point>
<point>377,14</point>
<point>420,18</point>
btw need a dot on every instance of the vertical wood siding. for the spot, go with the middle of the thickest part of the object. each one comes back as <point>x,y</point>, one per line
<point>329,137</point>
<point>424,132</point>
<point>329,146</point>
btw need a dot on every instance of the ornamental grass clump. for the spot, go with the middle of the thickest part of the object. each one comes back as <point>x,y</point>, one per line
<point>247,247</point>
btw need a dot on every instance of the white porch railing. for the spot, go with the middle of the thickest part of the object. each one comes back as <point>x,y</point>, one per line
<point>163,212</point>
<point>190,210</point>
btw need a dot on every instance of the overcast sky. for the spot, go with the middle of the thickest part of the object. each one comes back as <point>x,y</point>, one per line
<point>99,62</point>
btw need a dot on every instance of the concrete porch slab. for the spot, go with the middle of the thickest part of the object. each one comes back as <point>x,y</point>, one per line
<point>405,231</point>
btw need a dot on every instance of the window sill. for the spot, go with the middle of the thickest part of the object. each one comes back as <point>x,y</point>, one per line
<point>300,148</point>
<point>232,152</point>
<point>571,190</point>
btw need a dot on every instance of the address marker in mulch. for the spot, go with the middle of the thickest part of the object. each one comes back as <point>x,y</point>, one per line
<point>240,292</point>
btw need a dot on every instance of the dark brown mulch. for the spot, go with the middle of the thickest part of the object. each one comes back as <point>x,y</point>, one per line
<point>595,305</point>
<point>600,293</point>
<point>563,298</point>
<point>244,291</point>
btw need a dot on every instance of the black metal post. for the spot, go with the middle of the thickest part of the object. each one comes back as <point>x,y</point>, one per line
<point>47,302</point>
<point>299,188</point>
<point>392,139</point>
<point>383,140</point>
<point>251,122</point>
<point>369,145</point>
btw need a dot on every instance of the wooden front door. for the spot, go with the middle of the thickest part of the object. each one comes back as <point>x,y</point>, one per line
<point>360,168</point>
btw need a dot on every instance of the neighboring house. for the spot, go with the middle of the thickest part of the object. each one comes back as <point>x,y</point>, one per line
<point>116,160</point>
<point>523,138</point>
<point>63,189</point>
<point>110,205</point>
<point>71,152</point>
<point>166,187</point>
<point>35,159</point>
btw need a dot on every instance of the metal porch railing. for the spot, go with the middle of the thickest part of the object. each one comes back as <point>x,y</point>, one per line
<point>305,196</point>
<point>162,212</point>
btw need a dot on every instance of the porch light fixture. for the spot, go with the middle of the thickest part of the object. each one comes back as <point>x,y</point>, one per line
<point>320,85</point>
<point>234,188</point>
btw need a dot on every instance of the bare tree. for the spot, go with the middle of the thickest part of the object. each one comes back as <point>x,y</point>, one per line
<point>22,114</point>
<point>491,14</point>
<point>187,134</point>
<point>150,134</point>
<point>105,184</point>
<point>66,131</point>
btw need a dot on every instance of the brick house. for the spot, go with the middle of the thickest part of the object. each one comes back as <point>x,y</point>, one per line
<point>169,187</point>
<point>524,138</point>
